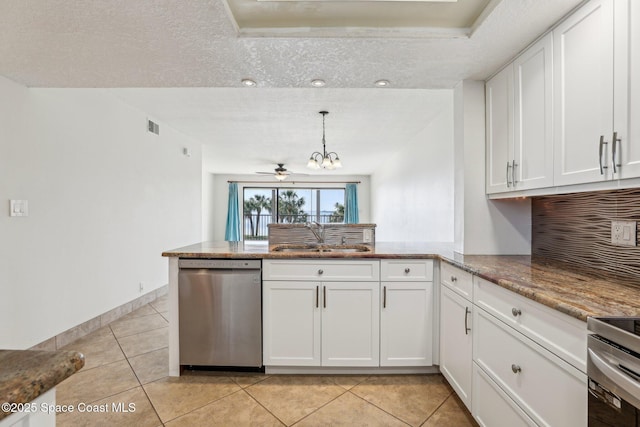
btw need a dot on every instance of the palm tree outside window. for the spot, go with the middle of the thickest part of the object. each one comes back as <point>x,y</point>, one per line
<point>262,206</point>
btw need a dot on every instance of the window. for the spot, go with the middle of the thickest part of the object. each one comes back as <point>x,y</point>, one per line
<point>262,206</point>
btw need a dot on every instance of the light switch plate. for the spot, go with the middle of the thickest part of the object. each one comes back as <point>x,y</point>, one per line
<point>19,208</point>
<point>623,233</point>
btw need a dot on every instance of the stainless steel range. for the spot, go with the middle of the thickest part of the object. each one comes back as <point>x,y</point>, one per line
<point>613,367</point>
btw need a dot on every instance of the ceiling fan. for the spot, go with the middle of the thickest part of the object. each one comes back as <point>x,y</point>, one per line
<point>280,173</point>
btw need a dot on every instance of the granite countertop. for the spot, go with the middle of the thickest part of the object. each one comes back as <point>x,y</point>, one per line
<point>27,374</point>
<point>578,292</point>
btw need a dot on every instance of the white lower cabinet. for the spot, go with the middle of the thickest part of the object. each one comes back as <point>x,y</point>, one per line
<point>333,320</point>
<point>350,324</point>
<point>546,388</point>
<point>456,342</point>
<point>492,407</point>
<point>291,323</point>
<point>406,324</point>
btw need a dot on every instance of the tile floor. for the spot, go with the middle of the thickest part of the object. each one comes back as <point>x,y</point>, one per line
<point>127,364</point>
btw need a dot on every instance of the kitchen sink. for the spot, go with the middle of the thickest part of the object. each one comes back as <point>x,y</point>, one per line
<point>311,248</point>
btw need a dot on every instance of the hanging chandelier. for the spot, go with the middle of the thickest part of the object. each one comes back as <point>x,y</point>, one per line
<point>324,160</point>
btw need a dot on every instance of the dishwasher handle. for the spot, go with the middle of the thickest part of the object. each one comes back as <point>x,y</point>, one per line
<point>220,264</point>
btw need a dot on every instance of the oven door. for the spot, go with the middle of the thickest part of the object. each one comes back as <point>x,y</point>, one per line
<point>614,385</point>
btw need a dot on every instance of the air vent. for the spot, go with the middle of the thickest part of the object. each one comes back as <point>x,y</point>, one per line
<point>153,127</point>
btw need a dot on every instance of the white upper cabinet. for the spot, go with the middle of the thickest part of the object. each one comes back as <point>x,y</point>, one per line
<point>499,144</point>
<point>583,94</point>
<point>533,117</point>
<point>519,122</point>
<point>627,91</point>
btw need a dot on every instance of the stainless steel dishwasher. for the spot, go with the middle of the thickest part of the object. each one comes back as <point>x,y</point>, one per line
<point>220,312</point>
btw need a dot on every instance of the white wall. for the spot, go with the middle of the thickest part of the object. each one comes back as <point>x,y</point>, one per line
<point>105,199</point>
<point>482,226</point>
<point>412,195</point>
<point>215,199</point>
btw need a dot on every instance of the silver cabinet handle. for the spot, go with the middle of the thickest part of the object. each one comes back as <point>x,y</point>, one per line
<point>516,312</point>
<point>615,142</point>
<point>321,272</point>
<point>600,153</point>
<point>516,369</point>
<point>317,296</point>
<point>466,320</point>
<point>324,296</point>
<point>508,174</point>
<point>513,172</point>
<point>407,270</point>
<point>384,297</point>
<point>454,279</point>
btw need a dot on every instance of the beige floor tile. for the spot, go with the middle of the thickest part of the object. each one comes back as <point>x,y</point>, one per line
<point>98,349</point>
<point>246,379</point>
<point>151,366</point>
<point>349,410</point>
<point>97,383</point>
<point>135,325</point>
<point>144,342</point>
<point>412,398</point>
<point>175,396</point>
<point>161,304</point>
<point>237,409</point>
<point>349,381</point>
<point>452,413</point>
<point>145,310</point>
<point>291,398</point>
<point>140,414</point>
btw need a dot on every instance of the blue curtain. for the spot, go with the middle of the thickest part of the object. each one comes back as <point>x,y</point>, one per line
<point>232,233</point>
<point>351,204</point>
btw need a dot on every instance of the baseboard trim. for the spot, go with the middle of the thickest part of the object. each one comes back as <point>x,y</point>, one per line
<point>72,334</point>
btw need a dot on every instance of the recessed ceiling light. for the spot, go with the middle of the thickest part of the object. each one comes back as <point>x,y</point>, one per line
<point>382,83</point>
<point>318,83</point>
<point>248,82</point>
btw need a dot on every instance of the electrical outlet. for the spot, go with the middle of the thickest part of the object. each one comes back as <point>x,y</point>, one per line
<point>623,233</point>
<point>366,236</point>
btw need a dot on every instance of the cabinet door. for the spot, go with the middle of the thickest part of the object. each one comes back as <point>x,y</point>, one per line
<point>456,343</point>
<point>533,108</point>
<point>291,323</point>
<point>406,324</point>
<point>350,323</point>
<point>627,90</point>
<point>499,119</point>
<point>583,93</point>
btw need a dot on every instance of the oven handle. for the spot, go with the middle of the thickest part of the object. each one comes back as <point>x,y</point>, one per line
<point>621,379</point>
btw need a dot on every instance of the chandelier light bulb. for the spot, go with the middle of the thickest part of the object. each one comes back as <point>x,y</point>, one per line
<point>324,160</point>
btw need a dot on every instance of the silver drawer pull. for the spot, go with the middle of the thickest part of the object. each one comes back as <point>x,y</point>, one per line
<point>516,369</point>
<point>454,279</point>
<point>516,312</point>
<point>407,270</point>
<point>320,272</point>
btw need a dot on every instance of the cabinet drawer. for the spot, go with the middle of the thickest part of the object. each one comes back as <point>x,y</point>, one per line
<point>536,379</point>
<point>559,333</point>
<point>457,280</point>
<point>492,406</point>
<point>407,270</point>
<point>324,270</point>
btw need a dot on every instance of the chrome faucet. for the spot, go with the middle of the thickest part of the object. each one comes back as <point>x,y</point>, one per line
<point>317,229</point>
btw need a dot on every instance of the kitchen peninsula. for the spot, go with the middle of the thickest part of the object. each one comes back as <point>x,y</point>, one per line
<point>532,309</point>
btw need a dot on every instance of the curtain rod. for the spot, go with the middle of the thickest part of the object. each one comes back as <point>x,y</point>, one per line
<point>294,182</point>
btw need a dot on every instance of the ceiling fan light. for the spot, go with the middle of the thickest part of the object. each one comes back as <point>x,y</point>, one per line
<point>280,176</point>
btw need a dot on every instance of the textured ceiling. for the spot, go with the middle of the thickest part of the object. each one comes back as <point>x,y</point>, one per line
<point>182,62</point>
